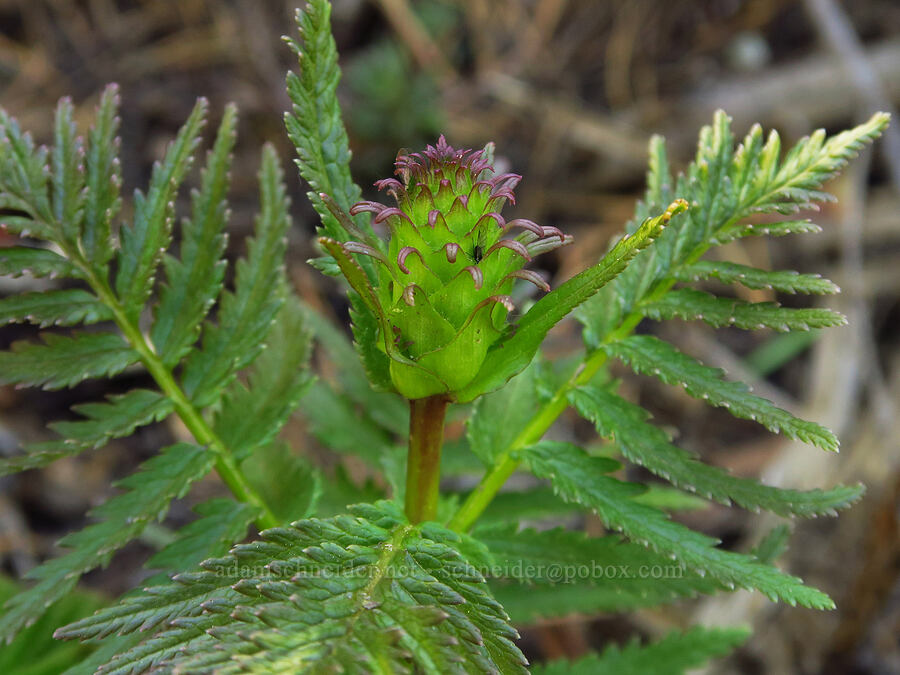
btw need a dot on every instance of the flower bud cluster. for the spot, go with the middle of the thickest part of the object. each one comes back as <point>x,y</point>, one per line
<point>445,280</point>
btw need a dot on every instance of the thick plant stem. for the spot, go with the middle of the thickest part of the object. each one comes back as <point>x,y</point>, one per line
<point>423,464</point>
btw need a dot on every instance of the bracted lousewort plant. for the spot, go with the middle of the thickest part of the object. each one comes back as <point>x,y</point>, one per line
<point>393,575</point>
<point>442,286</point>
<point>441,289</point>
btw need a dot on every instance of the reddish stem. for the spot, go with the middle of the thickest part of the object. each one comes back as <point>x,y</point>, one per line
<point>423,468</point>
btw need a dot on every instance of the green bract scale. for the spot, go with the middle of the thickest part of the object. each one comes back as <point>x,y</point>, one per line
<point>444,279</point>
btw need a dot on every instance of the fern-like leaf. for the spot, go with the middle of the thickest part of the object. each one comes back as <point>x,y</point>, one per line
<point>515,404</point>
<point>252,415</point>
<point>724,186</point>
<point>365,591</point>
<point>580,478</point>
<point>150,234</point>
<point>690,304</point>
<point>246,314</point>
<point>649,355</point>
<point>63,361</point>
<point>221,522</point>
<point>567,571</point>
<point>68,179</point>
<point>675,654</point>
<point>795,183</point>
<point>65,307</point>
<point>315,126</point>
<point>782,228</point>
<point>194,280</point>
<point>38,262</point>
<point>647,445</point>
<point>23,183</point>
<point>149,492</point>
<point>119,417</point>
<point>752,277</point>
<point>104,181</point>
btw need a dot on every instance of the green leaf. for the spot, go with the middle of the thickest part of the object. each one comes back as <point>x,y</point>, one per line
<point>734,231</point>
<point>143,243</point>
<point>220,523</point>
<point>34,651</point>
<point>149,493</point>
<point>649,355</point>
<point>389,411</point>
<point>689,304</point>
<point>252,415</point>
<point>246,314</point>
<point>68,179</point>
<point>364,591</point>
<point>532,604</point>
<point>343,427</point>
<point>808,165</point>
<point>315,126</point>
<point>752,277</point>
<point>590,574</point>
<point>647,445</point>
<point>724,187</point>
<point>23,183</point>
<point>541,503</point>
<point>515,506</point>
<point>673,655</point>
<point>563,573</point>
<point>326,265</point>
<point>498,418</point>
<point>670,499</point>
<point>778,350</point>
<point>515,353</point>
<point>659,175</point>
<point>194,280</point>
<point>340,490</point>
<point>376,363</point>
<point>773,545</point>
<point>62,361</point>
<point>64,307</point>
<point>580,478</point>
<point>291,484</point>
<point>103,653</point>
<point>104,180</point>
<point>38,262</point>
<point>118,418</point>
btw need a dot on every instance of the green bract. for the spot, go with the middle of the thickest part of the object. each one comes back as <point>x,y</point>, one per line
<point>441,288</point>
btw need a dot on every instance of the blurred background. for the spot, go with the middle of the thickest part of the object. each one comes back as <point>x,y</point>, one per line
<point>570,91</point>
